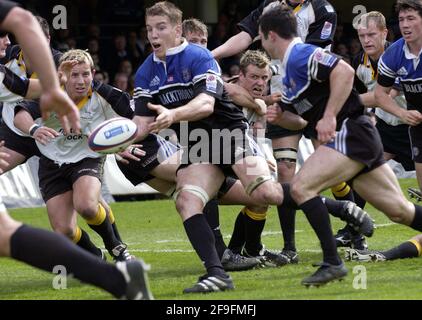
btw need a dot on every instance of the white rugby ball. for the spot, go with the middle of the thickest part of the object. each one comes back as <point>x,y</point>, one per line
<point>112,135</point>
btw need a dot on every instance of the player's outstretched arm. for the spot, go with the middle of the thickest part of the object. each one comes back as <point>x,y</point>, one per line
<point>241,97</point>
<point>384,100</point>
<point>234,45</point>
<point>198,108</point>
<point>341,85</point>
<point>34,44</point>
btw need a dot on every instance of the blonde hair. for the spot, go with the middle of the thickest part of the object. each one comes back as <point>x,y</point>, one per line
<point>167,9</point>
<point>375,16</point>
<point>253,57</point>
<point>79,55</point>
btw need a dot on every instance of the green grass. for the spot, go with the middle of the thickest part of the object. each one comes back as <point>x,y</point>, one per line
<point>154,232</point>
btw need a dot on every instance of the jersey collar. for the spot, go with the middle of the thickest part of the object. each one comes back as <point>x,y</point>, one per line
<point>175,50</point>
<point>411,56</point>
<point>288,51</point>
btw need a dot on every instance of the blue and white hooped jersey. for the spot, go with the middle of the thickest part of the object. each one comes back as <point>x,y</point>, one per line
<point>398,62</point>
<point>305,73</point>
<point>188,71</point>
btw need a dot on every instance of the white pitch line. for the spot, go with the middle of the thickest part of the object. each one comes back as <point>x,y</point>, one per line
<point>189,251</point>
<point>228,236</point>
<point>385,225</point>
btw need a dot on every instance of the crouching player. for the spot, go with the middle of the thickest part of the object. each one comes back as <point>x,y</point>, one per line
<point>70,173</point>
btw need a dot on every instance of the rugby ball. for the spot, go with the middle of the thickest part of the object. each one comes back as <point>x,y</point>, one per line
<point>112,135</point>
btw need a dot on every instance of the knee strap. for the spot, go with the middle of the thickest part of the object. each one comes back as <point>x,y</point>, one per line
<point>256,183</point>
<point>170,192</point>
<point>285,154</point>
<point>195,190</point>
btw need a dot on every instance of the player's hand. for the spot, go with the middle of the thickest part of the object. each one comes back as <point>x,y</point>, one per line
<point>272,165</point>
<point>133,152</point>
<point>411,117</point>
<point>326,128</point>
<point>44,135</point>
<point>56,100</point>
<point>64,70</point>
<point>274,114</point>
<point>3,158</point>
<point>262,107</point>
<point>272,98</point>
<point>164,119</point>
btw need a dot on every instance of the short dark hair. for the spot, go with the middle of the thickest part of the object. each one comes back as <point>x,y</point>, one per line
<point>281,20</point>
<point>44,26</point>
<point>409,4</point>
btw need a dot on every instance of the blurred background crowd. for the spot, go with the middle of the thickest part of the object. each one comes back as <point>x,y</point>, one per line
<point>114,33</point>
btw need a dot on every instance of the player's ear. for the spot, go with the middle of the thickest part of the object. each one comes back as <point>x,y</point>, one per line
<point>385,33</point>
<point>179,30</point>
<point>93,72</point>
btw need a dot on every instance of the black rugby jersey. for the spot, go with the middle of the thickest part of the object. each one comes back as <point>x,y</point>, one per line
<point>316,21</point>
<point>14,60</point>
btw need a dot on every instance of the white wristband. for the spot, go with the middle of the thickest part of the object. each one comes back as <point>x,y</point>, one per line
<point>33,128</point>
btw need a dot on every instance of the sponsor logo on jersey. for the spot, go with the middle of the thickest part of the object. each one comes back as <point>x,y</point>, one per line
<point>326,30</point>
<point>324,58</point>
<point>412,88</point>
<point>154,82</point>
<point>211,83</point>
<point>176,95</point>
<point>186,75</point>
<point>329,8</point>
<point>402,72</point>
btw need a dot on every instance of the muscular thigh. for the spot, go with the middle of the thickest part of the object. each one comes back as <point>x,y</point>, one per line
<point>325,168</point>
<point>381,188</point>
<point>61,213</point>
<point>86,189</point>
<point>250,168</point>
<point>206,176</point>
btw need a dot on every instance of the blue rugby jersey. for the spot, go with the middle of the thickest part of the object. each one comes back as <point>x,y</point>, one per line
<point>188,71</point>
<point>398,62</point>
<point>305,80</point>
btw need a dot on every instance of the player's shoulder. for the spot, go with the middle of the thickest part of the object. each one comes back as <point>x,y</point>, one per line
<point>396,47</point>
<point>146,67</point>
<point>394,53</point>
<point>194,51</point>
<point>303,51</point>
<point>322,7</point>
<point>12,53</point>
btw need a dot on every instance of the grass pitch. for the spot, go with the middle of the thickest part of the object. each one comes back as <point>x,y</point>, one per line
<point>154,231</point>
